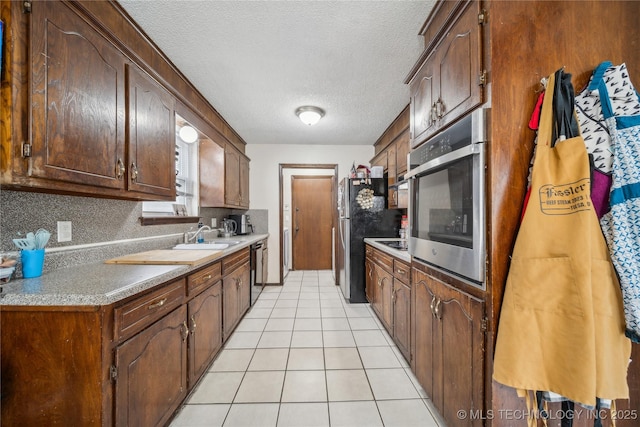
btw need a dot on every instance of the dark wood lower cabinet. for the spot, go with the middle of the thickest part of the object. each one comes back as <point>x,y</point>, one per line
<point>402,317</point>
<point>388,290</point>
<point>205,330</point>
<point>235,288</point>
<point>55,367</point>
<point>151,371</point>
<point>131,363</point>
<point>448,356</point>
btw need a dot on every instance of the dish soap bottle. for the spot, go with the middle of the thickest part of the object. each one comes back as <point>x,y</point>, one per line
<point>200,234</point>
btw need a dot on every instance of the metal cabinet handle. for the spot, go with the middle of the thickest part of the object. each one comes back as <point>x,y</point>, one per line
<point>401,271</point>
<point>156,304</point>
<point>437,311</point>
<point>120,169</point>
<point>193,324</point>
<point>184,331</point>
<point>434,114</point>
<point>438,108</point>
<point>208,276</point>
<point>433,303</point>
<point>134,172</point>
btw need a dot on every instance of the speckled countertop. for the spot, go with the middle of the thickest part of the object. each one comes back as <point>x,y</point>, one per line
<point>401,255</point>
<point>99,283</point>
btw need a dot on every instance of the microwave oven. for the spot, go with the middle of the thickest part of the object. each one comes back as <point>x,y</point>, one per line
<point>447,199</point>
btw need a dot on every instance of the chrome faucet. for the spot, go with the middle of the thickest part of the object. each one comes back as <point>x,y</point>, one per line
<point>189,238</point>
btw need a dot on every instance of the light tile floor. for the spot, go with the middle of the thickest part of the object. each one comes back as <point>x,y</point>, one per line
<point>303,356</point>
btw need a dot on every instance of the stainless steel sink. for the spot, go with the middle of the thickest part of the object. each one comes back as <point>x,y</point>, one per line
<point>224,241</point>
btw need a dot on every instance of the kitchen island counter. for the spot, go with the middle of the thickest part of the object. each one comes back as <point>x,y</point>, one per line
<point>100,283</point>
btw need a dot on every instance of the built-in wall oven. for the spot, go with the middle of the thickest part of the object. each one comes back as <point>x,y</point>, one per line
<point>447,198</point>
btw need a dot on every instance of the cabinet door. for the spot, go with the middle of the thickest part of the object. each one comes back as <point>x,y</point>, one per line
<point>244,182</point>
<point>384,292</point>
<point>459,345</point>
<point>152,372</point>
<point>422,329</point>
<point>231,177</point>
<point>77,100</point>
<point>459,65</point>
<point>402,149</point>
<point>230,300</point>
<point>370,281</point>
<point>402,317</point>
<point>423,96</point>
<point>211,161</point>
<point>380,160</point>
<point>392,197</point>
<point>151,134</point>
<point>205,330</point>
<point>244,289</point>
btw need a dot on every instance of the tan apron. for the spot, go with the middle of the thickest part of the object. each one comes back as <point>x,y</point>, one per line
<point>562,323</point>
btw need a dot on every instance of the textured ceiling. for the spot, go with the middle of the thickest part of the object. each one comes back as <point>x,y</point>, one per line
<point>256,62</point>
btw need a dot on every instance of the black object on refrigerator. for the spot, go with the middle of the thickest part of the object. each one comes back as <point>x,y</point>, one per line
<point>362,211</point>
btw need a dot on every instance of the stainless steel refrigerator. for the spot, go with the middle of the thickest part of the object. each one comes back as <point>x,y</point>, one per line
<point>363,213</point>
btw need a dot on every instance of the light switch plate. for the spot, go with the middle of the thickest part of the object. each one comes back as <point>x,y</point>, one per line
<point>64,231</point>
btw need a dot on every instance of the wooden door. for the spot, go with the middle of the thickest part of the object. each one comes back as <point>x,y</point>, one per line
<point>459,68</point>
<point>212,189</point>
<point>459,345</point>
<point>402,149</point>
<point>385,290</point>
<point>422,329</point>
<point>151,134</point>
<point>402,317</point>
<point>205,330</point>
<point>312,204</point>
<point>152,372</point>
<point>244,289</point>
<point>231,176</point>
<point>77,100</point>
<point>423,96</point>
<point>230,308</point>
<point>370,284</point>
<point>244,181</point>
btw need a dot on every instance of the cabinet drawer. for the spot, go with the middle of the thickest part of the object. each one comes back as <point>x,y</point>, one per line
<point>401,271</point>
<point>369,251</point>
<point>204,278</point>
<point>234,261</point>
<point>383,260</point>
<point>141,312</point>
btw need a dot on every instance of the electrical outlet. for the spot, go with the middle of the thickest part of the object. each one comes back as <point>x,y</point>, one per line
<point>64,231</point>
<point>214,222</point>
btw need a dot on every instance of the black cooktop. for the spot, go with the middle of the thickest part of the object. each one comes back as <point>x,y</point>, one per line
<point>395,244</point>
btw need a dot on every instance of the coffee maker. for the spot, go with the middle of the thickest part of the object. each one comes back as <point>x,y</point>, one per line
<point>243,223</point>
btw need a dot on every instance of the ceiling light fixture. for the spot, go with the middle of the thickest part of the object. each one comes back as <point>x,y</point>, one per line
<point>310,115</point>
<point>188,134</point>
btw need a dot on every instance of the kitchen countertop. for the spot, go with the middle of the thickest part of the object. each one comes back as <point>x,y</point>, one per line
<point>100,283</point>
<point>375,242</point>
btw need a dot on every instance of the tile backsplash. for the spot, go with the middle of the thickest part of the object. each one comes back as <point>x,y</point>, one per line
<point>95,223</point>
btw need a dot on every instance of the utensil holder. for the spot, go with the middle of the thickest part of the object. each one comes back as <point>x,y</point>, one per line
<point>32,262</point>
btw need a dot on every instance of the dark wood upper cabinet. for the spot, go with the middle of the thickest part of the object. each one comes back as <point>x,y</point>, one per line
<point>450,79</point>
<point>78,121</point>
<point>236,178</point>
<point>151,136</point>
